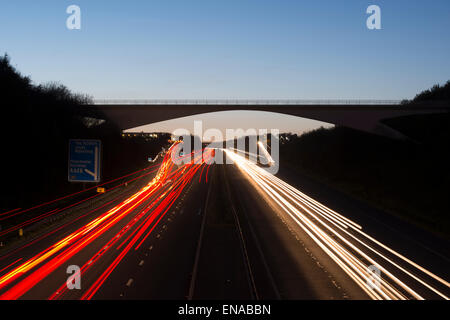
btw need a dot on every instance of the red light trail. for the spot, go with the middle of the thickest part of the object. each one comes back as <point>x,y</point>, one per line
<point>149,205</point>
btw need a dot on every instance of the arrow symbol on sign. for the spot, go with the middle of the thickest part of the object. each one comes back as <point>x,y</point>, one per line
<point>94,174</point>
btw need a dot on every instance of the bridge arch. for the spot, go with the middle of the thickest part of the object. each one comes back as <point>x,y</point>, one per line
<point>364,117</point>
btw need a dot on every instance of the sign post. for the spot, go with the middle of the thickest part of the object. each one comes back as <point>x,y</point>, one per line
<point>84,160</point>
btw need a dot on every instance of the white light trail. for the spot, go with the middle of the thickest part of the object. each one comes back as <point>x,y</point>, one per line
<point>345,242</point>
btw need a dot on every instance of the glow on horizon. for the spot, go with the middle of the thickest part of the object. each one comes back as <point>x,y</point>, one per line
<point>237,120</point>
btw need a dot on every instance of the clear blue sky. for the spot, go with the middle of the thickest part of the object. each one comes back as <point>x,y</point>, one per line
<point>231,49</point>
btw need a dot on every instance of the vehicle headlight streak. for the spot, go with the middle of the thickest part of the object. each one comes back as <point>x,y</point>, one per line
<point>332,232</point>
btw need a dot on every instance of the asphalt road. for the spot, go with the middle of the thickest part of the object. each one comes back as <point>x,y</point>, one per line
<point>224,232</point>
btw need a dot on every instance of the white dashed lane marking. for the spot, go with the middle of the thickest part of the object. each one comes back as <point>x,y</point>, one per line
<point>130,281</point>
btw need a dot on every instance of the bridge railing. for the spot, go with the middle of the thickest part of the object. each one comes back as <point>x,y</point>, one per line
<point>243,102</point>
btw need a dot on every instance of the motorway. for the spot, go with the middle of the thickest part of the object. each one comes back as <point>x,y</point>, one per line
<point>200,231</point>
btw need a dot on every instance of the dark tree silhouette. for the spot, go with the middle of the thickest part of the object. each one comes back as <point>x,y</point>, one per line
<point>436,93</point>
<point>37,122</point>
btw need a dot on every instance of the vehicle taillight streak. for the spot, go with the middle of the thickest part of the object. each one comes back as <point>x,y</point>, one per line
<point>157,197</point>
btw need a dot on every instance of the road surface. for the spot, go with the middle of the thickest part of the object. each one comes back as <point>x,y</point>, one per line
<point>200,231</point>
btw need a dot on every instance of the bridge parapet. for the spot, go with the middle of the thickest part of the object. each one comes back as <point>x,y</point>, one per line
<point>270,102</point>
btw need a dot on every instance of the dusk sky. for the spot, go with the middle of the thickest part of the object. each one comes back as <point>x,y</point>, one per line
<point>231,49</point>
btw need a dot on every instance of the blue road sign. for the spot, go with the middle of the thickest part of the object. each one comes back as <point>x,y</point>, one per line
<point>84,160</point>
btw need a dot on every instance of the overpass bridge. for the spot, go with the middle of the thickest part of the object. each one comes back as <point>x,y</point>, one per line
<point>364,115</point>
